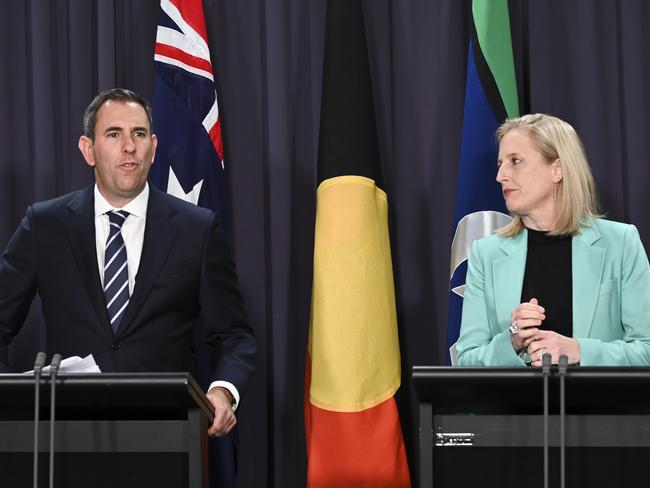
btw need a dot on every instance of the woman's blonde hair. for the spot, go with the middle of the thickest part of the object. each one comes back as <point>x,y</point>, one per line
<point>576,191</point>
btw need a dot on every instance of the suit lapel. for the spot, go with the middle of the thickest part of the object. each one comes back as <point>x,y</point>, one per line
<point>79,224</point>
<point>508,272</point>
<point>587,269</point>
<point>160,232</point>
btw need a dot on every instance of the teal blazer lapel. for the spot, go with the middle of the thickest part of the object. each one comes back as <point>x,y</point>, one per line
<point>587,263</point>
<point>508,272</point>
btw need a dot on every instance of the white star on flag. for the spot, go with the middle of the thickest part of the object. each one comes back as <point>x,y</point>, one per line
<point>174,188</point>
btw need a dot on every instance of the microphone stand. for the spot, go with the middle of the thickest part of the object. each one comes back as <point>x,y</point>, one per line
<point>38,369</point>
<point>54,369</point>
<point>546,371</point>
<point>563,363</point>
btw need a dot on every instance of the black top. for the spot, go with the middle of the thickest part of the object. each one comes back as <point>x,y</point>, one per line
<point>548,278</point>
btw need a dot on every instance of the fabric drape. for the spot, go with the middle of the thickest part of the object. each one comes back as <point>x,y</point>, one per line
<point>585,61</point>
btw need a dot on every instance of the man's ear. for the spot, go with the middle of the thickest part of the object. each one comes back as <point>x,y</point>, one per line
<point>154,141</point>
<point>557,171</point>
<point>86,147</point>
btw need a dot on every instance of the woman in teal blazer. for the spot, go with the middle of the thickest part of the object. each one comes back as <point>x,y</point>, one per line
<point>549,190</point>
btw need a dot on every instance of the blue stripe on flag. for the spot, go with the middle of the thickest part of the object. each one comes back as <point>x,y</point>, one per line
<point>477,189</point>
<point>165,21</point>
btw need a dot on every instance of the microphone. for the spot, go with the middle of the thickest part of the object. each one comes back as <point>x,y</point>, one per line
<point>54,369</point>
<point>39,363</point>
<point>546,372</point>
<point>38,369</point>
<point>562,365</point>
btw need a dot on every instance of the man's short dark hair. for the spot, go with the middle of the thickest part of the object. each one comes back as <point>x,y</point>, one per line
<point>121,94</point>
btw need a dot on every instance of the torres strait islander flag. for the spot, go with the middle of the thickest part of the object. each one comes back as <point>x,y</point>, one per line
<point>353,430</point>
<point>189,158</point>
<point>490,98</point>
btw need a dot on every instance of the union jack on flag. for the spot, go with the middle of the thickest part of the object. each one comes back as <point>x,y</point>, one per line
<point>189,159</point>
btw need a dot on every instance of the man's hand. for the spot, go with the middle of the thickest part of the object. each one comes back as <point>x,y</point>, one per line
<point>224,416</point>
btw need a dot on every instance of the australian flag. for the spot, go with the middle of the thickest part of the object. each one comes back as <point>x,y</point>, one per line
<point>189,160</point>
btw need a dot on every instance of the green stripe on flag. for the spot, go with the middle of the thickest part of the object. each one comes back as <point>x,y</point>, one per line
<point>493,29</point>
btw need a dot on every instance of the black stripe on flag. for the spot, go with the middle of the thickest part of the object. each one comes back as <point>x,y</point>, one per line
<point>348,142</point>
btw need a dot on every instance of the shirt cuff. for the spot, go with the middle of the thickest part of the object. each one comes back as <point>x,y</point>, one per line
<point>231,388</point>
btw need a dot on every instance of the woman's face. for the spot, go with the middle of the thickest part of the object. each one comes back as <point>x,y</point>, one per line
<point>527,179</point>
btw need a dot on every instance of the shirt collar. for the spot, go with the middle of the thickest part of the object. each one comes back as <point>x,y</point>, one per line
<point>137,206</point>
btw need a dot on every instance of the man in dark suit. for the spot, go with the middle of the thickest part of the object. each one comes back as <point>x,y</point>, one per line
<point>125,272</point>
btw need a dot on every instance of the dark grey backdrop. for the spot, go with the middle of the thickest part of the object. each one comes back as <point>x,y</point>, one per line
<point>586,61</point>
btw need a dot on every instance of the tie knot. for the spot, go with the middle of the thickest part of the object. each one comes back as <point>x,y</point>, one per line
<point>117,217</point>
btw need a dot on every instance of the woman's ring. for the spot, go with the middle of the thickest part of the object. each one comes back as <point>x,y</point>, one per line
<point>513,328</point>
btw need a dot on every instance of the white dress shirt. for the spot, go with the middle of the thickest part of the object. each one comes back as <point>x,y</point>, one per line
<point>132,231</point>
<point>133,235</point>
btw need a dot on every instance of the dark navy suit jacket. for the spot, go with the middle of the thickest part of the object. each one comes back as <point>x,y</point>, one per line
<point>186,284</point>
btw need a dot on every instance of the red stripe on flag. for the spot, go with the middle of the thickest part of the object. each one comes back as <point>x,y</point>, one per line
<point>361,449</point>
<point>215,135</point>
<point>192,13</point>
<point>183,57</point>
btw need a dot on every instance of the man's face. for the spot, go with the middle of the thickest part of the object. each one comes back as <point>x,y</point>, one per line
<point>122,152</point>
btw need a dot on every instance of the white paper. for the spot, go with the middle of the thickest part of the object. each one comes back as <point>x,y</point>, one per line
<point>74,365</point>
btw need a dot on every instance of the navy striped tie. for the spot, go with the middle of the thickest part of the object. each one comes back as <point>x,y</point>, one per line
<point>116,273</point>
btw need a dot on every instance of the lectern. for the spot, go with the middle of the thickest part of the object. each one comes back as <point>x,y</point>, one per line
<point>485,427</point>
<point>112,430</point>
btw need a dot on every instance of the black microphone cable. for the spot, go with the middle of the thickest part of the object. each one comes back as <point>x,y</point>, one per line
<point>546,372</point>
<point>54,369</point>
<point>563,363</point>
<point>38,369</point>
